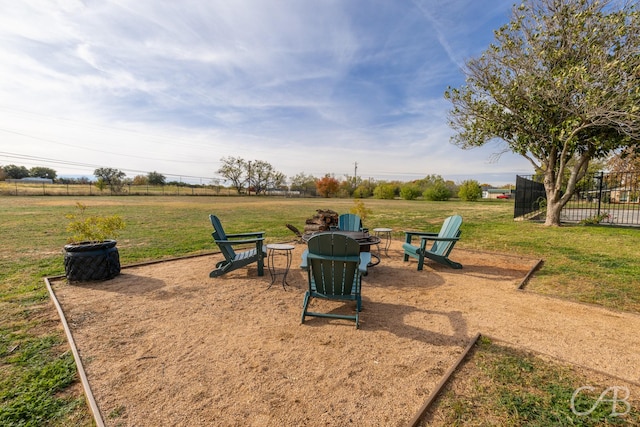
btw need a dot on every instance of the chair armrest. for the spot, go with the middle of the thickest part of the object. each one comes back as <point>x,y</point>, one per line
<point>304,264</point>
<point>365,259</point>
<point>420,233</point>
<point>257,233</point>
<point>440,239</point>
<point>237,242</point>
<point>409,235</point>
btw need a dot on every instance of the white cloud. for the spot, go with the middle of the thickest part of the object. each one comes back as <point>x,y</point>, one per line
<point>175,86</point>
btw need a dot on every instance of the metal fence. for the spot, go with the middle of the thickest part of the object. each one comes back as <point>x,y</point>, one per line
<point>17,188</point>
<point>530,198</point>
<point>607,198</point>
<point>22,188</point>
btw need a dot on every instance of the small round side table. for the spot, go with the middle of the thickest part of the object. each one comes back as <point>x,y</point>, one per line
<point>386,234</point>
<point>272,248</point>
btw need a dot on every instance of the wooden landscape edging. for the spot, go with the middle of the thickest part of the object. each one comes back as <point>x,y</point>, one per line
<point>445,379</point>
<point>530,273</point>
<point>91,401</point>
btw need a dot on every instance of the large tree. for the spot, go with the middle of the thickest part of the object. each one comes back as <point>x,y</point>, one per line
<point>15,172</point>
<point>260,176</point>
<point>304,183</point>
<point>156,178</point>
<point>327,186</point>
<point>114,178</point>
<point>42,172</point>
<point>560,85</point>
<point>233,169</point>
<point>257,175</point>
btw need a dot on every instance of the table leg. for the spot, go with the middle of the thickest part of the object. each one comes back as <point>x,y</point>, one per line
<point>286,269</point>
<point>387,241</point>
<point>272,267</point>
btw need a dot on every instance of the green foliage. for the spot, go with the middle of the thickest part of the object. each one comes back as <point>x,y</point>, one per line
<point>596,219</point>
<point>410,191</point>
<point>42,172</point>
<point>384,191</point>
<point>437,192</point>
<point>362,192</point>
<point>305,184</point>
<point>360,209</point>
<point>470,190</point>
<point>15,172</point>
<point>92,228</point>
<point>559,85</point>
<point>101,184</point>
<point>156,178</point>
<point>114,178</point>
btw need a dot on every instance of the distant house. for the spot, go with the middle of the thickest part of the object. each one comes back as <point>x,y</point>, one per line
<point>496,193</point>
<point>624,195</point>
<point>32,180</point>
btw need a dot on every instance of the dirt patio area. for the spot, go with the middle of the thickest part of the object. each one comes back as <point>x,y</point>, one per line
<point>164,344</point>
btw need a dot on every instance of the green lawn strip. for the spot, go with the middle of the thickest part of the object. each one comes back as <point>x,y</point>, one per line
<point>28,394</point>
<point>498,385</point>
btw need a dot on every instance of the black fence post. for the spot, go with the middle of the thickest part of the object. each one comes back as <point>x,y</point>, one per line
<point>600,180</point>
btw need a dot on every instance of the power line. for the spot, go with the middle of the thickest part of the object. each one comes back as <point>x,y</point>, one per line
<point>86,165</point>
<point>93,149</point>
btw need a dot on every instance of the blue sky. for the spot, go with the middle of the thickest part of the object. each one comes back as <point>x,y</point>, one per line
<point>308,86</point>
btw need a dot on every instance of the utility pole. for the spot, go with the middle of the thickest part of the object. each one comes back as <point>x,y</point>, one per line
<point>355,173</point>
<point>249,185</point>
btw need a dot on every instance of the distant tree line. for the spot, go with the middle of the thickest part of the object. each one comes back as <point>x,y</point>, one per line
<point>21,172</point>
<point>258,177</point>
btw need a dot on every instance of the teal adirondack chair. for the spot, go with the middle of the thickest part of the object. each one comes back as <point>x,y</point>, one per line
<point>443,243</point>
<point>349,222</point>
<point>333,272</point>
<point>232,259</point>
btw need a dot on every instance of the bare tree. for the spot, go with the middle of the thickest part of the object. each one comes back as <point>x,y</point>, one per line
<point>233,169</point>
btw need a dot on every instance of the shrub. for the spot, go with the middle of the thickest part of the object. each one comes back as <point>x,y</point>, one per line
<point>360,209</point>
<point>470,190</point>
<point>438,192</point>
<point>410,191</point>
<point>92,228</point>
<point>384,191</point>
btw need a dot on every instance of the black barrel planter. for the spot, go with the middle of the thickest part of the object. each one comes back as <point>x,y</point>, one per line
<point>87,261</point>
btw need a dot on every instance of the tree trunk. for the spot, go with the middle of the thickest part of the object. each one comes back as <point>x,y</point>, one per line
<point>554,202</point>
<point>553,212</point>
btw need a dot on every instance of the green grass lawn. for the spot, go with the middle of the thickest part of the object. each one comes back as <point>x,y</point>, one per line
<point>37,376</point>
<point>500,386</point>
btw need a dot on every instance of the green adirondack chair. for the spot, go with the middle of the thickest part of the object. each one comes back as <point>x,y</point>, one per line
<point>232,259</point>
<point>443,243</point>
<point>349,222</point>
<point>333,273</point>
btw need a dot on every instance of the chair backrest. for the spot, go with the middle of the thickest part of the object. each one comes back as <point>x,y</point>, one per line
<point>349,222</point>
<point>333,264</point>
<point>450,228</point>
<point>218,235</point>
